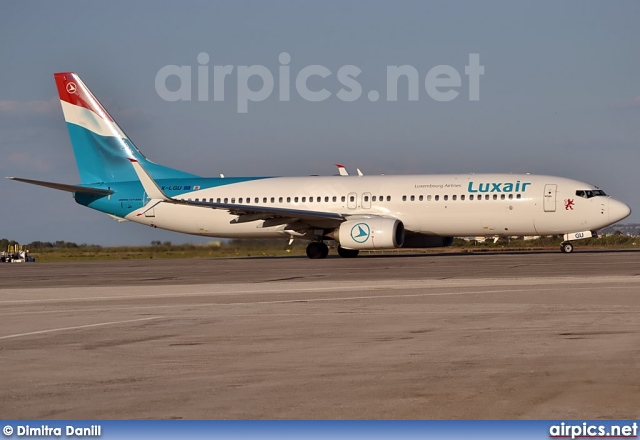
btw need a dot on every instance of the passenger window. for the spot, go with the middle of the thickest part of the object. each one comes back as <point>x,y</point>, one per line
<point>295,199</point>
<point>518,196</point>
<point>233,200</point>
<point>218,200</point>
<point>462,197</point>
<point>326,198</point>
<point>486,197</point>
<point>502,196</point>
<point>197,199</point>
<point>240,200</point>
<point>273,199</point>
<point>288,199</point>
<point>343,198</point>
<point>226,200</point>
<point>421,198</point>
<point>510,196</point>
<point>319,199</point>
<point>446,197</point>
<point>264,200</point>
<point>429,198</point>
<point>257,200</point>
<point>413,198</point>
<point>495,197</point>
<point>366,198</point>
<point>388,198</point>
<point>335,199</point>
<point>352,198</point>
<point>454,197</point>
<point>304,199</point>
<point>280,200</point>
<point>471,197</point>
<point>437,198</point>
<point>404,198</point>
<point>373,198</point>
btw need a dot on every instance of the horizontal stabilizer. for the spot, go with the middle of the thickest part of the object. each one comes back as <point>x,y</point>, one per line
<point>65,187</point>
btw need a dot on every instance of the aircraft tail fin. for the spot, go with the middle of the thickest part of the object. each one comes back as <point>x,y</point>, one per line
<point>101,148</point>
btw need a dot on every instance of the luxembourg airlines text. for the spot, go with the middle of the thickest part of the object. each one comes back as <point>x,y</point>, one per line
<point>500,187</point>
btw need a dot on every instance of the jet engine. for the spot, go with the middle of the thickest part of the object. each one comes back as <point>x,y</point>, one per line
<point>370,233</point>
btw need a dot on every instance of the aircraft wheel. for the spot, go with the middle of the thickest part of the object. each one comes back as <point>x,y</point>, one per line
<point>347,253</point>
<point>317,250</point>
<point>566,248</point>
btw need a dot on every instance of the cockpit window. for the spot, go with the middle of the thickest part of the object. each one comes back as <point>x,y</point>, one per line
<point>588,193</point>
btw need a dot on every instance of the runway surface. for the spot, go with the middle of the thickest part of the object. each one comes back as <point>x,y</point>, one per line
<point>518,335</point>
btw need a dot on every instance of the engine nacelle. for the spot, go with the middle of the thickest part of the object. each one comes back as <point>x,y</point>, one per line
<point>416,241</point>
<point>370,233</point>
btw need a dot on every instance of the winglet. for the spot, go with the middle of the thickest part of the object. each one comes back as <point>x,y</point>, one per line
<point>342,170</point>
<point>151,188</point>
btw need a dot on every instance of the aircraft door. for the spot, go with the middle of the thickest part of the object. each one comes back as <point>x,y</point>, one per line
<point>366,201</point>
<point>352,200</point>
<point>549,200</point>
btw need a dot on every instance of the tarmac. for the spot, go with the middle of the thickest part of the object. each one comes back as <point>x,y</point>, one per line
<point>519,335</point>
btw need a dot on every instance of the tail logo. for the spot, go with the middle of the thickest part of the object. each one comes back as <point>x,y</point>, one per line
<point>72,87</point>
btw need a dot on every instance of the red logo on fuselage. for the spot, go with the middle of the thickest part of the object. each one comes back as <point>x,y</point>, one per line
<point>568,204</point>
<point>71,87</point>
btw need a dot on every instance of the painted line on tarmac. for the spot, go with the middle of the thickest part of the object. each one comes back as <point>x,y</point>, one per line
<point>303,300</point>
<point>78,327</point>
<point>228,289</point>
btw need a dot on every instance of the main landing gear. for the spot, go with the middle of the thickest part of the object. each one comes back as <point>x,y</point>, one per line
<point>566,247</point>
<point>317,250</point>
<point>347,253</point>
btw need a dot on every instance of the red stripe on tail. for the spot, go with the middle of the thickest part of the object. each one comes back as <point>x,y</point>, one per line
<point>72,90</point>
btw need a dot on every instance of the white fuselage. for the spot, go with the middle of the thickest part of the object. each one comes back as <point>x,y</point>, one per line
<point>441,205</point>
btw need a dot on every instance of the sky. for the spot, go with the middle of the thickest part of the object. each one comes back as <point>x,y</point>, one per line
<point>560,95</point>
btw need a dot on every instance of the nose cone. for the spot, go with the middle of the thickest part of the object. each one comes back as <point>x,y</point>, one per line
<point>618,211</point>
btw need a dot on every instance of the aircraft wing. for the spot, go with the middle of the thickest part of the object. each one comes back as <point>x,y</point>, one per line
<point>245,213</point>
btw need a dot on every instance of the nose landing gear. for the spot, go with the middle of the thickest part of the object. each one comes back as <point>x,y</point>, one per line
<point>566,247</point>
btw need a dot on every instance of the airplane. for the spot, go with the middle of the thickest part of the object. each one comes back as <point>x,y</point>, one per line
<point>357,212</point>
<point>343,171</point>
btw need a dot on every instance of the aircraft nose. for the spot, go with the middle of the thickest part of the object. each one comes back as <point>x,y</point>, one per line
<point>618,210</point>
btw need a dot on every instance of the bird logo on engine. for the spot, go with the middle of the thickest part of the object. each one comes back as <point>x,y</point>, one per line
<point>360,233</point>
